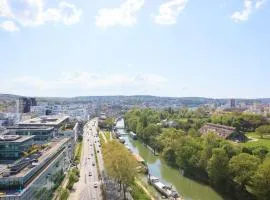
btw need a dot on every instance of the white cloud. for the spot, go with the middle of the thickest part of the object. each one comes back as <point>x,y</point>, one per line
<point>125,15</point>
<point>5,9</point>
<point>259,3</point>
<point>249,7</point>
<point>66,13</point>
<point>36,12</point>
<point>169,11</point>
<point>244,14</point>
<point>84,83</point>
<point>9,26</point>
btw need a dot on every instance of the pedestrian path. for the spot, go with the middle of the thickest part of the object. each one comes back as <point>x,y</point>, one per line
<point>145,190</point>
<point>104,137</point>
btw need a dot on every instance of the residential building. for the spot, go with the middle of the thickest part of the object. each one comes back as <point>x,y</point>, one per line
<point>226,132</point>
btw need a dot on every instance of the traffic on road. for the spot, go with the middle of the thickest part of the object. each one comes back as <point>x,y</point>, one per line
<point>89,185</point>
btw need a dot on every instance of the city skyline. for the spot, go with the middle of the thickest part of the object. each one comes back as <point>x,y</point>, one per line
<point>176,48</point>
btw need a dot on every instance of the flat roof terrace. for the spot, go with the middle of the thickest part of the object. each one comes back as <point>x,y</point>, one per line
<point>14,138</point>
<point>53,120</point>
<point>30,128</point>
<point>47,153</point>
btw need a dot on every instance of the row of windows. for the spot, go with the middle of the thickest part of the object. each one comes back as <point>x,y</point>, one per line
<point>9,147</point>
<point>6,155</point>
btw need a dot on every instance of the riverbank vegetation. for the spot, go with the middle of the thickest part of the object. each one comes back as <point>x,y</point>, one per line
<point>138,193</point>
<point>234,169</point>
<point>122,169</point>
<point>107,135</point>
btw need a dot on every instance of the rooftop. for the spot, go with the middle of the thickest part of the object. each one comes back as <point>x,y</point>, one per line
<point>220,130</point>
<point>14,138</point>
<point>53,120</point>
<point>30,128</point>
<point>50,150</point>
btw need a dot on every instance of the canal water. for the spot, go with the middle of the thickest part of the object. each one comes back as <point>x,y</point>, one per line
<point>187,188</point>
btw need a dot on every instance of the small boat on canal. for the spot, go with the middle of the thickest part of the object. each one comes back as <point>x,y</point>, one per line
<point>165,190</point>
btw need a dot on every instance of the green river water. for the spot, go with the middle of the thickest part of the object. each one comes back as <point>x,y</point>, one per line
<point>187,188</point>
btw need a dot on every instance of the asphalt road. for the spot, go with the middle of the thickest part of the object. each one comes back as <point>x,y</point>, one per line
<point>88,187</point>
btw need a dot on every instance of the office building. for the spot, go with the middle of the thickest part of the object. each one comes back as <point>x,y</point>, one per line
<point>13,146</point>
<point>42,134</point>
<point>34,177</point>
<point>55,121</point>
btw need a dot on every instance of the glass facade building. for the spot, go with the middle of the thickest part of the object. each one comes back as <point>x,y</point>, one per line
<point>12,150</point>
<point>42,134</point>
<point>40,182</point>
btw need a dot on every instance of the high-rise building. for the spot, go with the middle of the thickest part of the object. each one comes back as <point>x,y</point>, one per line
<point>232,103</point>
<point>24,104</point>
<point>33,101</point>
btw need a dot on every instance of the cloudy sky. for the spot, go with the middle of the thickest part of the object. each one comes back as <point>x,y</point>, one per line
<point>211,48</point>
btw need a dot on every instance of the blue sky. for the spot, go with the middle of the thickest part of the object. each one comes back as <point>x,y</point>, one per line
<point>213,48</point>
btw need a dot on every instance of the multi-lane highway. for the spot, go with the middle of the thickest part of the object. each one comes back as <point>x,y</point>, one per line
<point>89,185</point>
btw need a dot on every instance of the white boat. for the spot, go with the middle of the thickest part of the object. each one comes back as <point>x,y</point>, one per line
<point>165,190</point>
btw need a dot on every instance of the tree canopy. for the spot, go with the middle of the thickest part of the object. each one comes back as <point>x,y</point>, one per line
<point>122,168</point>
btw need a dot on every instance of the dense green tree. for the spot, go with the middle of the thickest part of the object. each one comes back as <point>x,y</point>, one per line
<point>188,153</point>
<point>168,136</point>
<point>109,122</point>
<point>260,151</point>
<point>217,166</point>
<point>242,168</point>
<point>120,164</point>
<point>150,130</point>
<point>63,193</point>
<point>263,130</point>
<point>230,148</point>
<point>242,122</point>
<point>193,133</point>
<point>202,112</point>
<point>183,112</point>
<point>261,181</point>
<point>210,141</point>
